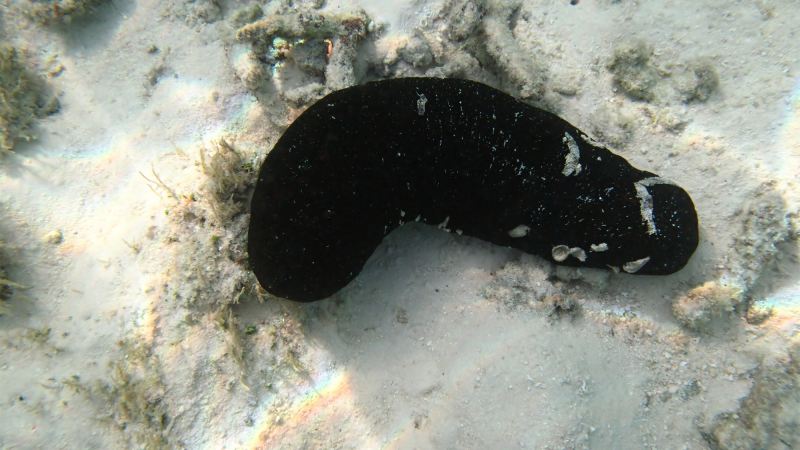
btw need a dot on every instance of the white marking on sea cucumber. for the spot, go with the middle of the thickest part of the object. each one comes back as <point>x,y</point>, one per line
<point>599,247</point>
<point>421,104</point>
<point>646,206</point>
<point>571,165</point>
<point>443,225</point>
<point>634,266</point>
<point>646,200</point>
<point>519,231</point>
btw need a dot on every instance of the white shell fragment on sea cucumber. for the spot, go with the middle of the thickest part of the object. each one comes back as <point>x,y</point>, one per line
<point>578,253</point>
<point>634,266</point>
<point>519,231</point>
<point>561,252</point>
<point>571,163</point>
<point>599,247</point>
<point>443,225</point>
<point>421,104</point>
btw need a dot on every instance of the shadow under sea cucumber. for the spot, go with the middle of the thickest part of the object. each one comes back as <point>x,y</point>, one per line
<point>466,157</point>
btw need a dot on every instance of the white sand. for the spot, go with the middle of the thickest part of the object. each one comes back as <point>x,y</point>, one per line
<point>413,354</point>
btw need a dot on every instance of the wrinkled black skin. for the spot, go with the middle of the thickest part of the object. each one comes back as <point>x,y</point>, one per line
<point>336,182</point>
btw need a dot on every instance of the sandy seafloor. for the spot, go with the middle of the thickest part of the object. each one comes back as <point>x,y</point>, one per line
<point>142,328</point>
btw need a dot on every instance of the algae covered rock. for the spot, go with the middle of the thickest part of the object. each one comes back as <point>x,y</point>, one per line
<point>696,308</point>
<point>639,76</point>
<point>767,236</point>
<point>415,51</point>
<point>324,47</point>
<point>23,99</point>
<point>768,417</point>
<point>632,70</point>
<point>698,81</point>
<point>5,283</point>
<point>463,18</point>
<point>246,15</point>
<point>197,11</point>
<point>525,72</point>
<point>51,12</point>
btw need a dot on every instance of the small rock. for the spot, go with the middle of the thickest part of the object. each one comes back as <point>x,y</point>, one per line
<point>53,237</point>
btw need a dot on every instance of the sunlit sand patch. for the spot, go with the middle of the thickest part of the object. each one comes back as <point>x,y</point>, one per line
<point>328,401</point>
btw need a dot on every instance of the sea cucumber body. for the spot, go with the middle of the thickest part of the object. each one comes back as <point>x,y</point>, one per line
<point>363,160</point>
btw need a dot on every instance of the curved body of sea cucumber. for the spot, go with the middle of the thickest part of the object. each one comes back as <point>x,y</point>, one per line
<point>363,160</point>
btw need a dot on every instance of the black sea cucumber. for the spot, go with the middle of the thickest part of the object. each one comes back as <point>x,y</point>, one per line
<point>466,157</point>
